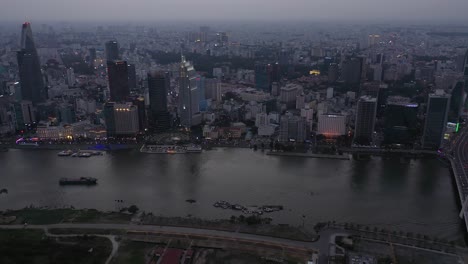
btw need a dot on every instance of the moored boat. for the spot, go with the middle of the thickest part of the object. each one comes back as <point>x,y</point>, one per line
<point>78,181</point>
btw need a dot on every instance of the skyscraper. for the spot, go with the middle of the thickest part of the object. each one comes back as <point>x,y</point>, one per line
<point>31,80</point>
<point>263,77</point>
<point>188,93</point>
<point>157,88</point>
<point>465,67</point>
<point>351,70</point>
<point>132,78</point>
<point>92,55</point>
<point>401,122</point>
<point>121,119</point>
<point>117,74</point>
<point>365,120</point>
<point>436,119</point>
<point>112,50</point>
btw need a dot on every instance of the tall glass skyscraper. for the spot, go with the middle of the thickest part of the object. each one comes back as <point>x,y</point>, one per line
<point>31,80</point>
<point>157,89</point>
<point>436,120</point>
<point>112,50</point>
<point>188,93</point>
<point>117,74</point>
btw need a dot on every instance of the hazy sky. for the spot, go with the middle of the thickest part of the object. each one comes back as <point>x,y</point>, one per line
<point>74,10</point>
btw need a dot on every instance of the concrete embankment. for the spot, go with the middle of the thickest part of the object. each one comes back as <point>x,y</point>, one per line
<point>308,155</point>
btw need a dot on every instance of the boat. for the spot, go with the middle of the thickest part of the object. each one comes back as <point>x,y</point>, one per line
<point>194,149</point>
<point>84,155</point>
<point>65,153</point>
<point>191,201</point>
<point>78,181</point>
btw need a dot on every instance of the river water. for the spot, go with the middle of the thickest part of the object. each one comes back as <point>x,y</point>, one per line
<point>416,195</point>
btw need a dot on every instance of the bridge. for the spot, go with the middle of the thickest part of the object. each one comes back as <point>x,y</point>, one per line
<point>457,154</point>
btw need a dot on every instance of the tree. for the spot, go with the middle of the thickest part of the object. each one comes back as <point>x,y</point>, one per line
<point>232,219</point>
<point>133,209</point>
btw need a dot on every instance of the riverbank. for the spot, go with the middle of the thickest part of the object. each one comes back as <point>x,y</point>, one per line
<point>241,224</point>
<point>103,147</point>
<point>308,155</point>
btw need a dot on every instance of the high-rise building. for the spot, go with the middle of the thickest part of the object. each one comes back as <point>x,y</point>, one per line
<point>121,119</point>
<point>436,119</point>
<point>112,50</point>
<point>31,79</point>
<point>188,94</point>
<point>263,77</point>
<point>400,126</point>
<point>292,128</point>
<point>457,99</point>
<point>139,102</point>
<point>465,67</point>
<point>70,77</point>
<point>211,88</point>
<point>117,74</point>
<point>67,114</point>
<point>24,114</point>
<point>351,70</point>
<point>288,94</point>
<point>157,88</point>
<point>132,77</point>
<point>308,114</point>
<point>331,125</point>
<point>92,55</point>
<point>333,72</point>
<point>365,120</point>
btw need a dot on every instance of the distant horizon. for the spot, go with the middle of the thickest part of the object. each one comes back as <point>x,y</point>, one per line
<point>395,11</point>
<point>207,22</point>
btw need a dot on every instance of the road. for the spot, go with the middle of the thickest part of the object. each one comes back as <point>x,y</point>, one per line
<point>458,156</point>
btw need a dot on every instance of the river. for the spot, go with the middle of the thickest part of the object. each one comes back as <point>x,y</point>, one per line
<point>416,195</point>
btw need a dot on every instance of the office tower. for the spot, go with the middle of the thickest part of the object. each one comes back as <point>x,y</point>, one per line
<point>117,75</point>
<point>70,77</point>
<point>31,79</point>
<point>139,102</point>
<point>457,99</point>
<point>288,94</point>
<point>400,121</point>
<point>188,93</point>
<point>263,77</point>
<point>331,125</point>
<point>222,38</point>
<point>436,119</point>
<point>132,77</point>
<point>121,119</point>
<point>67,114</point>
<point>92,55</point>
<point>24,114</point>
<point>300,101</point>
<point>329,92</point>
<point>157,88</point>
<point>365,120</point>
<point>204,31</point>
<point>373,40</point>
<point>201,93</point>
<point>465,66</point>
<point>351,70</point>
<point>292,128</point>
<point>333,72</point>
<point>112,51</point>
<point>211,86</point>
<point>308,114</point>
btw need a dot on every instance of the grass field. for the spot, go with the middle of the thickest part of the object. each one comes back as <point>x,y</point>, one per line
<point>32,246</point>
